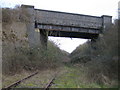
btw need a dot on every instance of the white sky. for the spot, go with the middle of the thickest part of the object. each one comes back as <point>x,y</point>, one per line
<point>88,7</point>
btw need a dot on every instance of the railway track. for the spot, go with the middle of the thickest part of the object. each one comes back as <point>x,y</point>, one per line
<point>13,85</point>
<point>18,82</point>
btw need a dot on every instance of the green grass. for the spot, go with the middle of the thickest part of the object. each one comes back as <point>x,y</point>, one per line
<point>67,77</point>
<point>72,78</point>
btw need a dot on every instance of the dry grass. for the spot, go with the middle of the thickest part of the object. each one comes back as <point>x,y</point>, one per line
<point>18,14</point>
<point>8,80</point>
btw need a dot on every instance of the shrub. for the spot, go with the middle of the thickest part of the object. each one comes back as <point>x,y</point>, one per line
<point>32,59</point>
<point>17,56</point>
<point>103,67</point>
<point>17,13</point>
<point>81,54</point>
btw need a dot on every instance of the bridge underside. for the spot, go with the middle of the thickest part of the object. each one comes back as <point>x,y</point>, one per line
<point>72,34</point>
<point>68,31</point>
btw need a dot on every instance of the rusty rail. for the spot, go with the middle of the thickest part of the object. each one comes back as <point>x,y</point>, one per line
<point>50,82</point>
<point>18,82</point>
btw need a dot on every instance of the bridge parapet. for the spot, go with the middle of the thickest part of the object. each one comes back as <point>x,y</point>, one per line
<point>67,19</point>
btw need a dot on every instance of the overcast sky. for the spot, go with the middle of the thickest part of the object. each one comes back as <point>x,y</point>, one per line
<point>88,7</point>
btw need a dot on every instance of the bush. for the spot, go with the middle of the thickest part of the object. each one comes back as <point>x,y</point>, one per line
<point>17,13</point>
<point>32,59</point>
<point>81,54</point>
<point>17,56</point>
<point>103,67</point>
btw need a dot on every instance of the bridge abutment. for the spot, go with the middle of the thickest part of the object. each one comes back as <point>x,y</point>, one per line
<point>33,36</point>
<point>107,22</point>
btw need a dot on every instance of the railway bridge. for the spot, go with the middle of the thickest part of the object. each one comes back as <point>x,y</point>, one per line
<point>63,24</point>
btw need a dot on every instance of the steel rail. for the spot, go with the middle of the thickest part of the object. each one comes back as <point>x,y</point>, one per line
<point>50,82</point>
<point>18,82</point>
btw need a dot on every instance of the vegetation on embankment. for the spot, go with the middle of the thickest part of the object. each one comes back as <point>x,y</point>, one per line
<point>17,56</point>
<point>33,59</point>
<point>100,63</point>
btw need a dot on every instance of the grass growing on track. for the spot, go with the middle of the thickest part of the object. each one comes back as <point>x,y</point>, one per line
<point>67,77</point>
<point>73,78</point>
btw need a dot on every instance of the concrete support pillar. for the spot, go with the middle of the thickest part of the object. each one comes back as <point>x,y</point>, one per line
<point>33,40</point>
<point>43,38</point>
<point>93,47</point>
<point>107,22</point>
